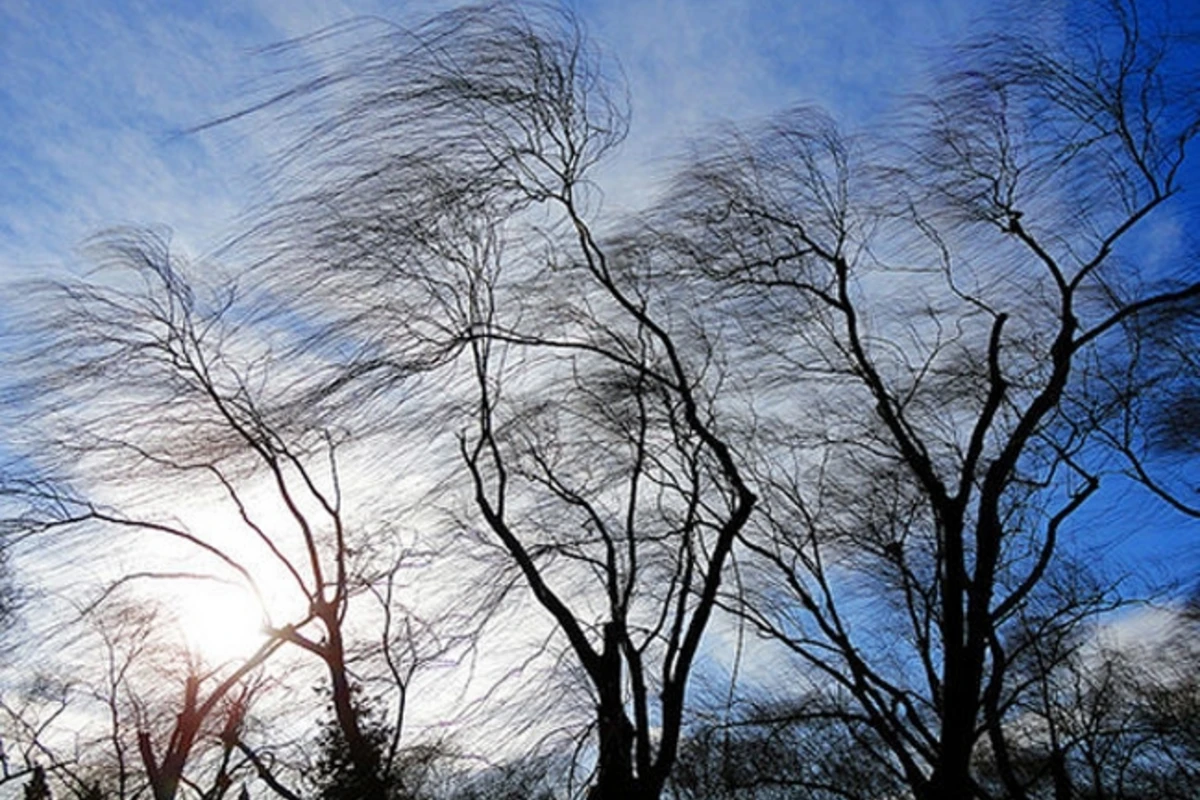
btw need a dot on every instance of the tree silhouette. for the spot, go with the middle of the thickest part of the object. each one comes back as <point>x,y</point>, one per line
<point>37,788</point>
<point>932,320</point>
<point>454,231</point>
<point>190,403</point>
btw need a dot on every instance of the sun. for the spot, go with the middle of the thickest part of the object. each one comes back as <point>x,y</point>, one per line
<point>221,622</point>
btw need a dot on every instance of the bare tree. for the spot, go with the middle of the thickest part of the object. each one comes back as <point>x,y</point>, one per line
<point>807,748</point>
<point>1109,719</point>
<point>926,316</point>
<point>25,715</point>
<point>1098,717</point>
<point>147,376</point>
<point>451,226</point>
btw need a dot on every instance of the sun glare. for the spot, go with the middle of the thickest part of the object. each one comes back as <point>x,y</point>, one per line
<point>221,622</point>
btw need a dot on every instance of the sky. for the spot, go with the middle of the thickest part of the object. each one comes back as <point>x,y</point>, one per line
<point>97,98</point>
<point>94,96</point>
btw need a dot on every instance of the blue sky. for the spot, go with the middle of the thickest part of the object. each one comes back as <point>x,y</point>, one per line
<point>94,96</point>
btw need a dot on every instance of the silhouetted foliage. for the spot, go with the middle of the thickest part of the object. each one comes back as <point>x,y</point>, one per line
<point>37,788</point>
<point>929,322</point>
<point>339,774</point>
<point>583,407</point>
<point>807,751</point>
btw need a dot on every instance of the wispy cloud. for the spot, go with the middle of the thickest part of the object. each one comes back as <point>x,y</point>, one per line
<point>695,63</point>
<point>92,95</point>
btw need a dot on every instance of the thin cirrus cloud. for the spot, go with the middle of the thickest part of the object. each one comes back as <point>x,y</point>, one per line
<point>692,65</point>
<point>93,97</point>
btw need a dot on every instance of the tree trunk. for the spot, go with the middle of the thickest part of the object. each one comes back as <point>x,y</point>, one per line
<point>615,779</point>
<point>364,755</point>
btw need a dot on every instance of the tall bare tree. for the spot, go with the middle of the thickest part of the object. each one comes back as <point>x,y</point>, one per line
<point>452,225</point>
<point>929,312</point>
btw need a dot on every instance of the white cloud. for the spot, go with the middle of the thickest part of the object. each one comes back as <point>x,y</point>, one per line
<point>93,93</point>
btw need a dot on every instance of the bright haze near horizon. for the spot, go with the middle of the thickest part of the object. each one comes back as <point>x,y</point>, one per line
<point>100,102</point>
